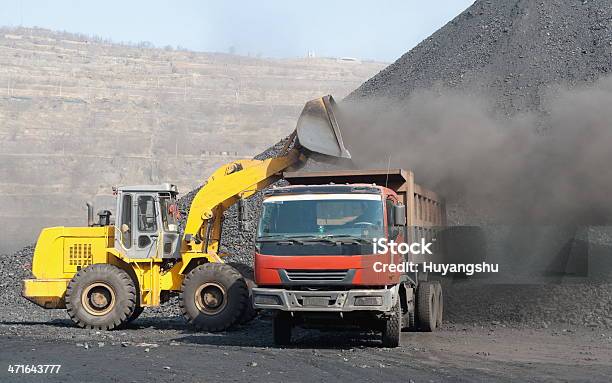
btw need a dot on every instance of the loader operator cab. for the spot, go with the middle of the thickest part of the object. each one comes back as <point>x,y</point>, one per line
<point>147,221</point>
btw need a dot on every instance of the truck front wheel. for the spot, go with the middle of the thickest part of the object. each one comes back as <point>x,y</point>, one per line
<point>282,328</point>
<point>393,327</point>
<point>213,297</point>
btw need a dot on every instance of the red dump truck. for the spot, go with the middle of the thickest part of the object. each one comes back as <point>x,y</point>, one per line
<point>316,264</point>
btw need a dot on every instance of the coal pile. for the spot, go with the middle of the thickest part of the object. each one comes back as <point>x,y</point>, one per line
<point>536,305</point>
<point>510,51</point>
<point>13,269</point>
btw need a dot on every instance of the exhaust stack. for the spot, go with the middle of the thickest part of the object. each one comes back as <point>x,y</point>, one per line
<point>90,214</point>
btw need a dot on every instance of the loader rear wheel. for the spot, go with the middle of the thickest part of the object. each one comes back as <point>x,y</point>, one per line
<point>101,297</point>
<point>213,297</point>
<point>426,306</point>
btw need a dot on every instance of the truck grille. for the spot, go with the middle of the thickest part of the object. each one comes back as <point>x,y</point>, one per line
<point>316,275</point>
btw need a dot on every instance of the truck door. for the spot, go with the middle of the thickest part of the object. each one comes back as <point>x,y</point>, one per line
<point>145,227</point>
<point>393,232</point>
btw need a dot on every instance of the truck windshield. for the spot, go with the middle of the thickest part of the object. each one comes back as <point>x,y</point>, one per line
<point>315,216</point>
<point>169,212</point>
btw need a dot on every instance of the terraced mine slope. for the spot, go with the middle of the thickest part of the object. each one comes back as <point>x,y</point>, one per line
<point>78,116</point>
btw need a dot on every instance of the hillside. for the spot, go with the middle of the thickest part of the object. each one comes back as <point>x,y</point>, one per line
<point>78,116</point>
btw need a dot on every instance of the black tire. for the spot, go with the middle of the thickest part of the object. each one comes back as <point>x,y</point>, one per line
<point>250,312</point>
<point>426,306</point>
<point>408,314</point>
<point>392,327</point>
<point>281,328</point>
<point>412,320</point>
<point>213,297</point>
<point>137,311</point>
<point>101,297</point>
<point>440,304</point>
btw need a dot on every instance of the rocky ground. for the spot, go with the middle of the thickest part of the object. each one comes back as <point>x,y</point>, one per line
<point>158,350</point>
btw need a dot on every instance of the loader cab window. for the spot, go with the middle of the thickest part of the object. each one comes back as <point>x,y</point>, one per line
<point>126,219</point>
<point>147,219</point>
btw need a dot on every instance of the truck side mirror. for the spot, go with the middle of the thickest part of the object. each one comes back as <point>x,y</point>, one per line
<point>399,214</point>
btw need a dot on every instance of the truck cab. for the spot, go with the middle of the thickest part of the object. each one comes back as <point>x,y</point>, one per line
<point>315,260</point>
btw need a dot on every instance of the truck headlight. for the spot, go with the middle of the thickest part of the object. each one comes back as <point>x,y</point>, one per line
<point>267,300</point>
<point>368,301</point>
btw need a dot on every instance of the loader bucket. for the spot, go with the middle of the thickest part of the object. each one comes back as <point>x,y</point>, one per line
<point>318,130</point>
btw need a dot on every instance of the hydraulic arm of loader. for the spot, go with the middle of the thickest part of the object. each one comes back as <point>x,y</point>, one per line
<point>317,131</point>
<point>226,186</point>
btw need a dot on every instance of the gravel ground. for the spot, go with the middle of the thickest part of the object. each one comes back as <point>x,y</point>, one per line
<point>454,354</point>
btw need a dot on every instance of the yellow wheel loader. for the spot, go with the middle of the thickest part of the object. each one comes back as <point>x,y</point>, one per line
<point>106,273</point>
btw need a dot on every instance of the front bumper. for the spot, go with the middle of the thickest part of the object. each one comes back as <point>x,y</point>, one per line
<point>381,300</point>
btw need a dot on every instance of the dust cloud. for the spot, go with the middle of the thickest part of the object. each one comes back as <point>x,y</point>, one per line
<point>549,168</point>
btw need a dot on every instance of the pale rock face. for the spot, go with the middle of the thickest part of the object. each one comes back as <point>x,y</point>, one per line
<point>78,116</point>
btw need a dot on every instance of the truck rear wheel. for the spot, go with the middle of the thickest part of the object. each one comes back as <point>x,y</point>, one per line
<point>427,306</point>
<point>392,327</point>
<point>213,297</point>
<point>101,297</point>
<point>440,305</point>
<point>281,328</point>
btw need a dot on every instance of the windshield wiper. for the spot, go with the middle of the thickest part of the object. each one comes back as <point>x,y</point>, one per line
<point>348,238</point>
<point>332,239</point>
<point>308,239</point>
<point>280,239</point>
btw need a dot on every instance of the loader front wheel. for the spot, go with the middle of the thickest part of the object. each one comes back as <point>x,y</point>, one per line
<point>101,297</point>
<point>137,311</point>
<point>213,297</point>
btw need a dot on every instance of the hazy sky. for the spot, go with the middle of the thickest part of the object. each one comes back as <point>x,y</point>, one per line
<point>380,30</point>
